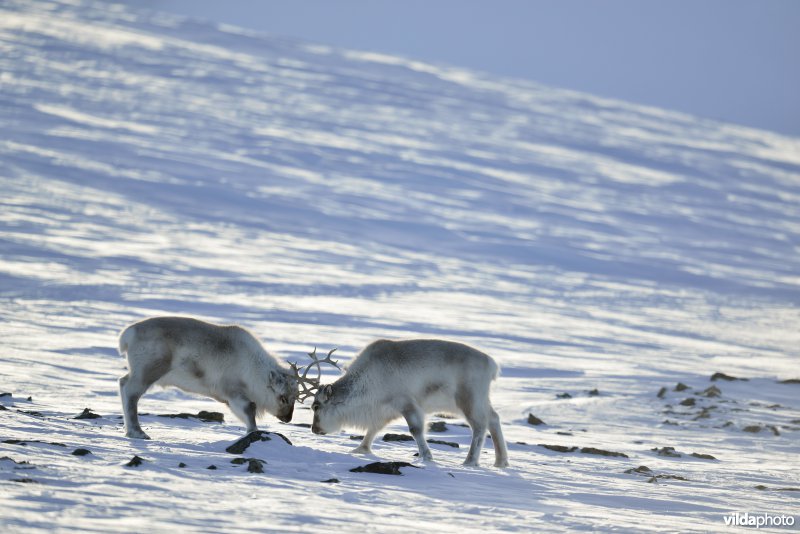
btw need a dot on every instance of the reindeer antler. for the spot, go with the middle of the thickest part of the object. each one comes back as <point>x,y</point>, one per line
<point>311,385</point>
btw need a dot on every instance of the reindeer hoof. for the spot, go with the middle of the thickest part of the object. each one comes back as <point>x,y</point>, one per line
<point>361,450</point>
<point>136,434</point>
<point>499,463</point>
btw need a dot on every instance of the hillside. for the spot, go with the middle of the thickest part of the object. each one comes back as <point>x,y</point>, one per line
<point>152,164</point>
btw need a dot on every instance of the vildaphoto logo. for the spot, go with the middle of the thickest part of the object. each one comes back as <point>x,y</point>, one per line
<point>747,519</point>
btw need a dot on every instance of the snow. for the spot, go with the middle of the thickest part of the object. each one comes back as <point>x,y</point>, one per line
<point>152,164</point>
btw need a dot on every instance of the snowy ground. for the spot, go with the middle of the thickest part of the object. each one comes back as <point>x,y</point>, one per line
<point>155,165</point>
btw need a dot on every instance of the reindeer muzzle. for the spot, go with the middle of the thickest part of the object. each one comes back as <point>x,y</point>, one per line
<point>286,416</point>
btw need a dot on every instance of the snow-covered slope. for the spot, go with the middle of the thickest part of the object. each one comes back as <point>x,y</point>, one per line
<point>155,165</point>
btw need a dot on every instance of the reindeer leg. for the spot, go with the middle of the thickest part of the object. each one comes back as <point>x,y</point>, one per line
<point>365,447</point>
<point>476,414</point>
<point>500,449</point>
<point>478,439</point>
<point>245,410</point>
<point>415,418</point>
<point>130,391</point>
<point>145,369</point>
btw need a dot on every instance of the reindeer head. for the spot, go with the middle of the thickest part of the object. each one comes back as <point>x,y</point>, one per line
<point>284,388</point>
<point>327,416</point>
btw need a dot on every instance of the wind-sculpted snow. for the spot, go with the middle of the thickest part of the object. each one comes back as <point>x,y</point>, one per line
<point>151,164</point>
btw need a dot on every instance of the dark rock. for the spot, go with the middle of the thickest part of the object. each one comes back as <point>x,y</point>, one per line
<point>711,391</point>
<point>331,481</point>
<point>563,396</point>
<point>680,386</point>
<point>668,422</point>
<point>662,392</point>
<point>702,456</point>
<point>640,469</point>
<point>212,467</point>
<point>437,426</point>
<point>357,438</point>
<point>727,424</point>
<point>774,430</point>
<point>211,417</point>
<point>723,376</point>
<point>752,428</point>
<point>601,452</point>
<point>687,402</point>
<point>558,448</point>
<point>441,442</point>
<point>397,437</point>
<point>23,462</point>
<point>241,445</point>
<point>672,477</point>
<point>593,393</point>
<point>666,451</point>
<point>25,480</point>
<point>206,417</point>
<point>564,433</point>
<point>32,412</point>
<point>81,452</point>
<point>761,487</point>
<point>790,381</point>
<point>535,421</point>
<point>136,461</point>
<point>181,465</point>
<point>382,468</point>
<point>87,414</point>
<point>6,394</point>
<point>302,425</point>
<point>705,413</point>
<point>254,465</point>
<point>259,435</point>
<point>3,408</point>
<point>29,399</point>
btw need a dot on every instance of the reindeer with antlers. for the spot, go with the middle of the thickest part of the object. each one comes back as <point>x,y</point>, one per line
<point>226,363</point>
<point>393,379</point>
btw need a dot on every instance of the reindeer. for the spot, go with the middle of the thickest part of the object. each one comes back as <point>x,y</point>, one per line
<point>411,378</point>
<point>225,363</point>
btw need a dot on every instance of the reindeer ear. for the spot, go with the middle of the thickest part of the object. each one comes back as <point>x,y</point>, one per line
<point>275,377</point>
<point>328,391</point>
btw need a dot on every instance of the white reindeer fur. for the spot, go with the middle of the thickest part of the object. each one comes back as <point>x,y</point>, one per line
<point>222,362</point>
<point>392,379</point>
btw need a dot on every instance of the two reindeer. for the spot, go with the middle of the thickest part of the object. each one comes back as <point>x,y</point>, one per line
<point>388,380</point>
